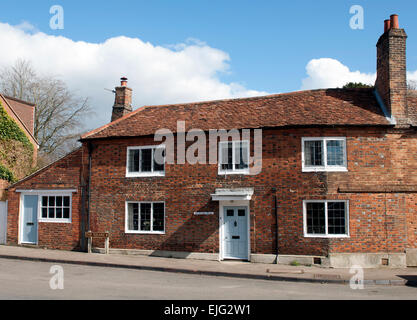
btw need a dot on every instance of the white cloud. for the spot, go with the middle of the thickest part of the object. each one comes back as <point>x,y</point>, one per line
<point>330,73</point>
<point>158,75</point>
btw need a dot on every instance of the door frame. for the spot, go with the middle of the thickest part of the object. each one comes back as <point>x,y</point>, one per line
<point>21,216</point>
<point>232,203</point>
<point>6,217</point>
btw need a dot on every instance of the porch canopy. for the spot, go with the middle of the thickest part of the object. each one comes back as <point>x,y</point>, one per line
<point>232,194</point>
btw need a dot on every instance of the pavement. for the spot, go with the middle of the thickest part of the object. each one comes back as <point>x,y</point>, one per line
<point>247,270</point>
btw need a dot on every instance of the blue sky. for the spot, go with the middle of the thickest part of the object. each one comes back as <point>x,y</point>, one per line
<point>269,43</point>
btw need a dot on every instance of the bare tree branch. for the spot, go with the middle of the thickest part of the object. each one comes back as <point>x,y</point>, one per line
<point>59,113</point>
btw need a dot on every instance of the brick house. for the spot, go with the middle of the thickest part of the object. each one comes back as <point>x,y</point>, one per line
<point>23,114</point>
<point>337,185</point>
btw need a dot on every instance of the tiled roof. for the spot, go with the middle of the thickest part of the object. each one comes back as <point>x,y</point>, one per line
<point>334,107</point>
<point>25,111</point>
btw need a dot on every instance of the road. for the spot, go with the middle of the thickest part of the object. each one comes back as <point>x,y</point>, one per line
<point>31,280</point>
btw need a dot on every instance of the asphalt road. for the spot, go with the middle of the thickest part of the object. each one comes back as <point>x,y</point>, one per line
<point>31,280</point>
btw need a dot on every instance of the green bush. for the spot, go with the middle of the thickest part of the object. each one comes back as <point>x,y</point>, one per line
<point>6,174</point>
<point>9,132</point>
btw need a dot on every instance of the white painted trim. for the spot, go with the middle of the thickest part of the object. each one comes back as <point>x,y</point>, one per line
<point>233,171</point>
<point>325,167</point>
<point>233,203</point>
<point>347,221</point>
<point>143,174</point>
<point>127,231</point>
<point>46,191</point>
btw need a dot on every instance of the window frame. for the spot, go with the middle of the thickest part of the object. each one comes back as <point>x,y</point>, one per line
<point>127,231</point>
<point>54,220</point>
<point>326,220</point>
<point>233,171</point>
<point>147,173</point>
<point>325,167</point>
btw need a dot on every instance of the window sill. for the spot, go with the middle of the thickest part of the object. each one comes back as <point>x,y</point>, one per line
<point>145,175</point>
<point>145,232</point>
<point>226,173</point>
<point>326,236</point>
<point>54,221</point>
<point>328,169</point>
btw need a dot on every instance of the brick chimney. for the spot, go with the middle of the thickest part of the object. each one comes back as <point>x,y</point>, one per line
<point>123,100</point>
<point>391,82</point>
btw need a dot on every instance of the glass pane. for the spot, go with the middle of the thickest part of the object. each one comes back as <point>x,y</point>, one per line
<point>230,213</point>
<point>44,201</point>
<point>241,155</point>
<point>313,153</point>
<point>158,217</point>
<point>59,201</point>
<point>316,218</point>
<point>44,212</point>
<point>51,214</point>
<point>145,216</point>
<point>146,160</point>
<point>226,155</point>
<point>133,216</point>
<point>159,159</point>
<point>58,213</point>
<point>336,216</point>
<point>133,163</point>
<point>52,201</point>
<point>66,201</point>
<point>241,212</point>
<point>335,154</point>
<point>66,213</point>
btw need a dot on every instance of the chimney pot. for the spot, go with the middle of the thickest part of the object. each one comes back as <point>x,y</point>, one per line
<point>123,81</point>
<point>387,25</point>
<point>394,22</point>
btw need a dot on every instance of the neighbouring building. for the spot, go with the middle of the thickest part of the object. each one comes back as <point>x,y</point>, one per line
<point>337,185</point>
<point>18,148</point>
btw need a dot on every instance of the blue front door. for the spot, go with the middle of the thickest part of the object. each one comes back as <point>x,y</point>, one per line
<point>30,220</point>
<point>235,235</point>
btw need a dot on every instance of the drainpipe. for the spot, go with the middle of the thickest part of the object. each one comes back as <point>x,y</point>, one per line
<point>90,151</point>
<point>274,191</point>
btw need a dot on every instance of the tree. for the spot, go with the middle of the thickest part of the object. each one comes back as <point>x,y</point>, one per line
<point>351,85</point>
<point>59,113</point>
<point>412,85</point>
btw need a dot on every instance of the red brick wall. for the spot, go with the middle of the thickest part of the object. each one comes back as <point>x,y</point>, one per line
<point>379,221</point>
<point>64,174</point>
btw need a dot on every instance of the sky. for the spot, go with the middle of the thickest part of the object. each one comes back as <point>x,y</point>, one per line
<point>177,51</point>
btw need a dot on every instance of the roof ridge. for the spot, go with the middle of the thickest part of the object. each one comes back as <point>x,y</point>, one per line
<point>19,100</point>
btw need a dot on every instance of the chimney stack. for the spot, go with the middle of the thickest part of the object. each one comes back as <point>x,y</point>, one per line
<point>391,82</point>
<point>123,100</point>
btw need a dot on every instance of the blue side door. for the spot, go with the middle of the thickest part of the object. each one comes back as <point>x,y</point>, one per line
<point>30,220</point>
<point>235,235</point>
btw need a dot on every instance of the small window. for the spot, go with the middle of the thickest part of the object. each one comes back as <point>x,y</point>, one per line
<point>145,161</point>
<point>234,157</point>
<point>55,208</point>
<point>145,217</point>
<point>324,154</point>
<point>326,218</point>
